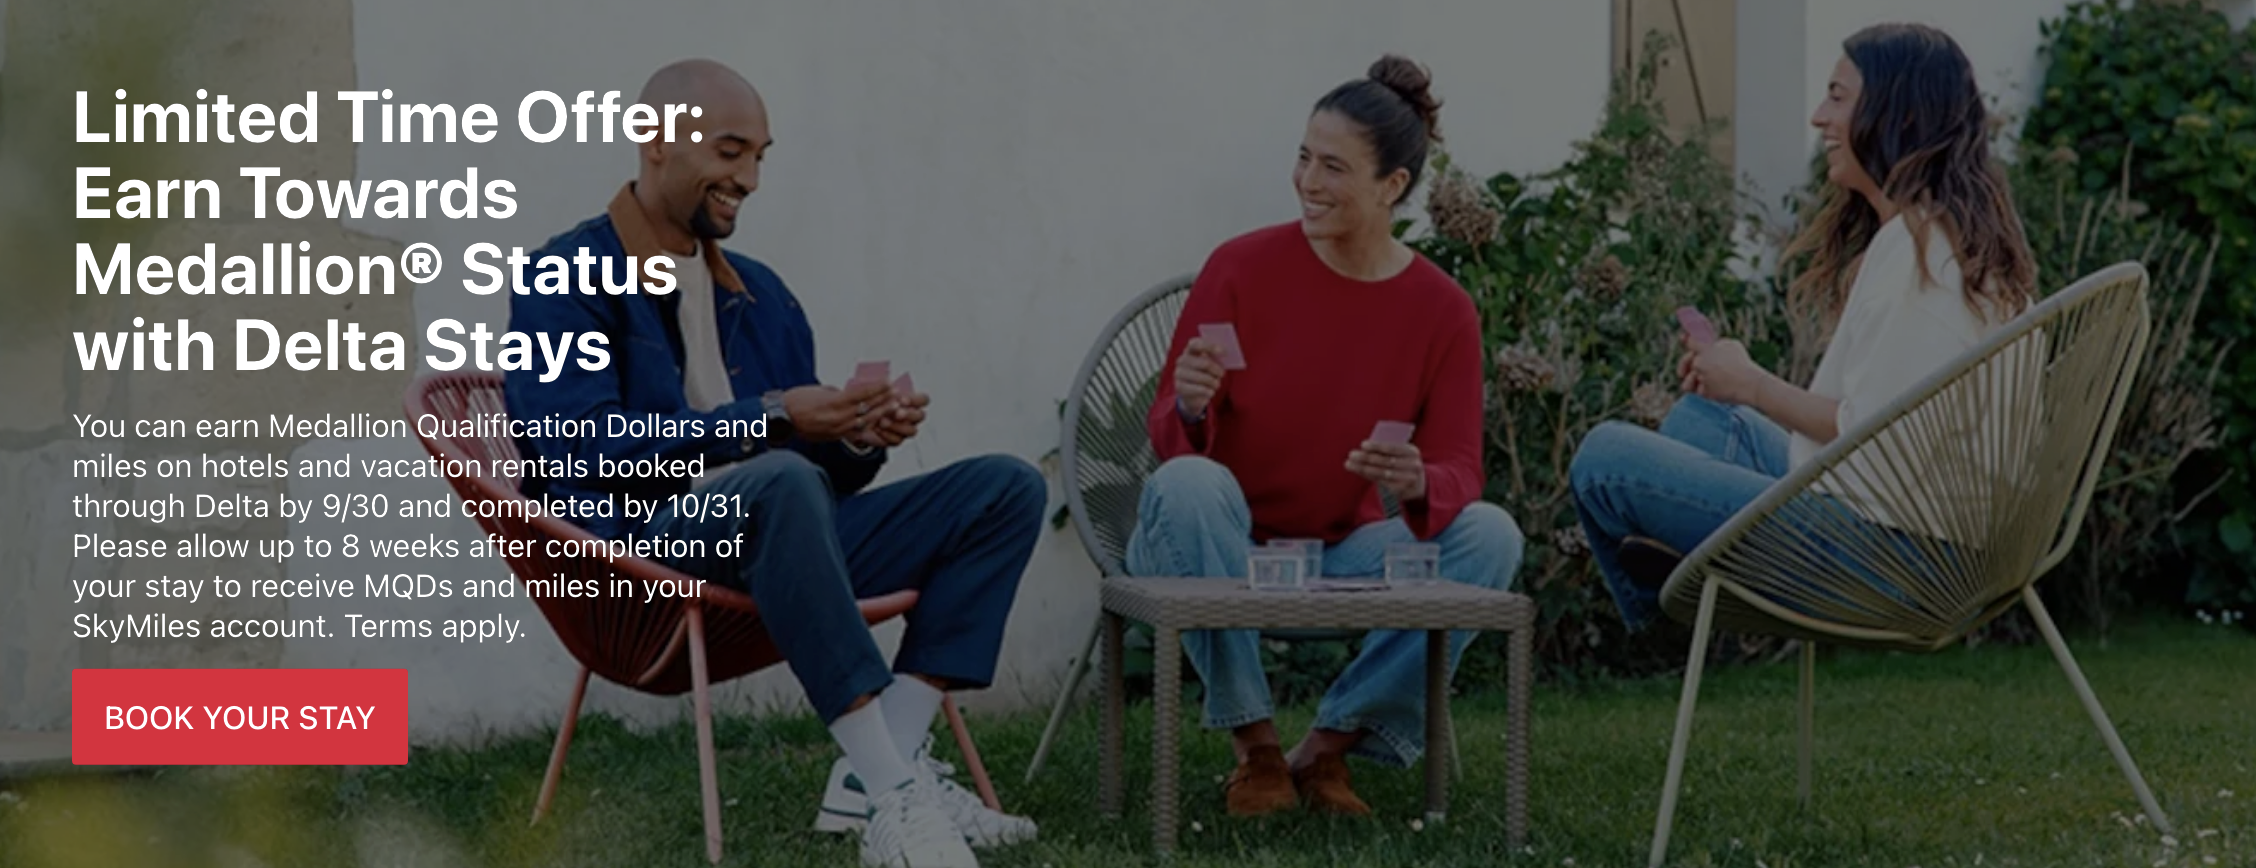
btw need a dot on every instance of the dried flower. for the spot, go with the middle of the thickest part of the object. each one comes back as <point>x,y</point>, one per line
<point>1521,369</point>
<point>2062,156</point>
<point>1570,542</point>
<point>1459,211</point>
<point>1650,403</point>
<point>1605,279</point>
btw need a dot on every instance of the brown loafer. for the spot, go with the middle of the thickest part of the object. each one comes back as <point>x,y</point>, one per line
<point>1261,785</point>
<point>1325,784</point>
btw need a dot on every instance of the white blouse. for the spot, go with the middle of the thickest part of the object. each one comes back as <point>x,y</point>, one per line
<point>1895,330</point>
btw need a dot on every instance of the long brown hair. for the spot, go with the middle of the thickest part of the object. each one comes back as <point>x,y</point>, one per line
<point>1921,131</point>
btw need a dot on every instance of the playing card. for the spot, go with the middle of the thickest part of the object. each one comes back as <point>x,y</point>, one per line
<point>904,386</point>
<point>1348,584</point>
<point>1225,335</point>
<point>1393,432</point>
<point>1696,326</point>
<point>871,372</point>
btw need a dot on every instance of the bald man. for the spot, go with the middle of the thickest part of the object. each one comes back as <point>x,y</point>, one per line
<point>731,344</point>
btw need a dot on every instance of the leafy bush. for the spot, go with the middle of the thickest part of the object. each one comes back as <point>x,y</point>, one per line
<point>2128,552</point>
<point>2169,90</point>
<point>1576,274</point>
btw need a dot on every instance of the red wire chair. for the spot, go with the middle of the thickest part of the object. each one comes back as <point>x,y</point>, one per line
<point>664,647</point>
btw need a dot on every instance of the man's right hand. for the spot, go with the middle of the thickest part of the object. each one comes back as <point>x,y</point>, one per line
<point>824,413</point>
<point>1198,374</point>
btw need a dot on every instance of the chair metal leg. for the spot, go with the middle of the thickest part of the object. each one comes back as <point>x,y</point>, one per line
<point>2091,704</point>
<point>970,754</point>
<point>708,776</point>
<point>1701,627</point>
<point>1809,717</point>
<point>1065,700</point>
<point>563,742</point>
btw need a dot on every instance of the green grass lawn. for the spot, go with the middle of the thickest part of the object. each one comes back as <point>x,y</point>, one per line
<point>1965,758</point>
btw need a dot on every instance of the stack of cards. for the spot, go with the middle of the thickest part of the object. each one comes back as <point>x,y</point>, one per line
<point>1697,327</point>
<point>1225,335</point>
<point>876,372</point>
<point>1393,432</point>
<point>871,372</point>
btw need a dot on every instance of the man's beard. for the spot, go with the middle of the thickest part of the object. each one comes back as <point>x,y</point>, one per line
<point>703,225</point>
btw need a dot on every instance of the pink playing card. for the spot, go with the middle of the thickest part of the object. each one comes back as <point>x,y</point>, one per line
<point>1225,335</point>
<point>1392,432</point>
<point>1696,326</point>
<point>870,372</point>
<point>904,386</point>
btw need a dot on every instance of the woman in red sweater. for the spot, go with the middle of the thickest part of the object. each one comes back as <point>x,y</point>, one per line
<point>1340,327</point>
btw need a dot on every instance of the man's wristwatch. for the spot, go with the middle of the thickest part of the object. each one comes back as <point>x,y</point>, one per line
<point>779,418</point>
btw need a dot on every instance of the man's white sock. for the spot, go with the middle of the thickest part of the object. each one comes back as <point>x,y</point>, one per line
<point>910,705</point>
<point>869,748</point>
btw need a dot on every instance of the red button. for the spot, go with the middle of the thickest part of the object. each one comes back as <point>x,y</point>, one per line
<point>239,717</point>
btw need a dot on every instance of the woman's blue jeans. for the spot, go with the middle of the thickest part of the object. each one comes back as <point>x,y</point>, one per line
<point>1193,521</point>
<point>1682,483</point>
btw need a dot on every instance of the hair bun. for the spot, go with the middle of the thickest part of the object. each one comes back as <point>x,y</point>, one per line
<point>1414,84</point>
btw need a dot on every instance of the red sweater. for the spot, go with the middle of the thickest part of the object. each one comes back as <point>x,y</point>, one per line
<point>1327,357</point>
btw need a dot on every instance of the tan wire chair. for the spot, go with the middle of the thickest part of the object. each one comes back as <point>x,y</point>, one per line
<point>1978,479</point>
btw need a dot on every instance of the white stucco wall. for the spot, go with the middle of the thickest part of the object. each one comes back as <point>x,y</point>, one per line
<point>970,190</point>
<point>1790,47</point>
<point>2000,37</point>
<point>1770,128</point>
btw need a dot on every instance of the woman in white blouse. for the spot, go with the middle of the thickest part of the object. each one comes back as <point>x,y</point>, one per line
<point>1915,256</point>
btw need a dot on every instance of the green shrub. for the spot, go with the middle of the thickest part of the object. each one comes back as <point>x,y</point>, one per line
<point>1576,274</point>
<point>2128,553</point>
<point>2169,89</point>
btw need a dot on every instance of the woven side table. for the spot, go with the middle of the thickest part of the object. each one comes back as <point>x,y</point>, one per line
<point>1172,606</point>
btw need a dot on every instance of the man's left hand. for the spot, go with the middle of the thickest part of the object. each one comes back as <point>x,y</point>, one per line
<point>1396,467</point>
<point>897,423</point>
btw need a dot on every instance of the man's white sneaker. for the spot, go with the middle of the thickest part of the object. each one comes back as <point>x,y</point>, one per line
<point>907,829</point>
<point>845,807</point>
